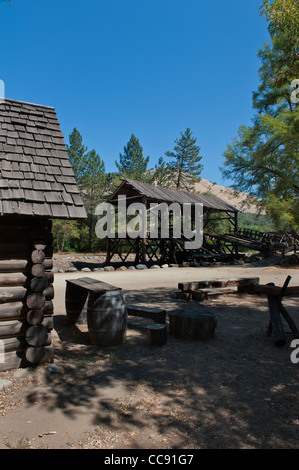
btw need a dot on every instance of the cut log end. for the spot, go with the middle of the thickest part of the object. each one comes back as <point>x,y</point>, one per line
<point>156,334</point>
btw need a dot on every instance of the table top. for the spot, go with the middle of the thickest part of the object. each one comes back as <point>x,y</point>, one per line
<point>92,285</point>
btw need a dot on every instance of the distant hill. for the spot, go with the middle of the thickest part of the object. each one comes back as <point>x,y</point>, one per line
<point>237,199</point>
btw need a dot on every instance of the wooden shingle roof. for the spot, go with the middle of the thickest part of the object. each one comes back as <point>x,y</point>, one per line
<point>158,194</point>
<point>36,177</point>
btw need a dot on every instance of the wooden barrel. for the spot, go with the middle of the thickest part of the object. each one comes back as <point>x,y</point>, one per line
<point>107,318</point>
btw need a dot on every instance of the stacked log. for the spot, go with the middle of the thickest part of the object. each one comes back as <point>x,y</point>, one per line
<point>26,292</point>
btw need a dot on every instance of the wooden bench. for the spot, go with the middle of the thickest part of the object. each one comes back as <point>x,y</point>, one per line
<point>156,314</point>
<point>77,291</point>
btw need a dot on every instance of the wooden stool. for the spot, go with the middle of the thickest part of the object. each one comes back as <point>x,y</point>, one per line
<point>156,334</point>
<point>192,325</point>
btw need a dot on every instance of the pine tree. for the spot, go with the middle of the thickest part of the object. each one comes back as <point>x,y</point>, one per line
<point>77,152</point>
<point>94,185</point>
<point>132,164</point>
<point>186,161</point>
<point>162,173</point>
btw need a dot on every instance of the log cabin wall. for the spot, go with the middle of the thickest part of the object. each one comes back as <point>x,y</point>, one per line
<point>37,184</point>
<point>26,291</point>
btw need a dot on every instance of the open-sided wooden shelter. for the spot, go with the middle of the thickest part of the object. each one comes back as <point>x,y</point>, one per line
<point>160,250</point>
<point>37,184</point>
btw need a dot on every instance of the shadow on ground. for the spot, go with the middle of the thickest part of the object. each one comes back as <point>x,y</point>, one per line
<point>234,391</point>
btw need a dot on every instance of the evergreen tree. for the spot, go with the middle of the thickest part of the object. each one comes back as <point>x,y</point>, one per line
<point>94,189</point>
<point>186,164</point>
<point>77,152</point>
<point>162,173</point>
<point>131,163</point>
<point>264,158</point>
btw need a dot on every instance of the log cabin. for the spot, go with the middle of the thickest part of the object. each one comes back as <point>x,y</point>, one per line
<point>37,185</point>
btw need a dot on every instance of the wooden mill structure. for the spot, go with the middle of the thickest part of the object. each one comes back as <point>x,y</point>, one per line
<point>149,250</point>
<point>37,185</point>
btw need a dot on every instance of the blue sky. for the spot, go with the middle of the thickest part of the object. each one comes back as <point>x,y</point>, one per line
<point>149,67</point>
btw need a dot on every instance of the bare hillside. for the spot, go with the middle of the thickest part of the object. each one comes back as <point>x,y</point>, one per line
<point>235,198</point>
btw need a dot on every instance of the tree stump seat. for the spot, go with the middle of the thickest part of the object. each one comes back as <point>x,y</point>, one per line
<point>156,334</point>
<point>199,325</point>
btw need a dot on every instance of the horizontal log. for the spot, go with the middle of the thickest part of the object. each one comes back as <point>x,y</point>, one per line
<point>33,300</point>
<point>19,311</point>
<point>14,328</point>
<point>156,314</point>
<point>22,265</point>
<point>13,360</point>
<point>11,310</point>
<point>272,290</point>
<point>14,265</point>
<point>13,279</point>
<point>14,344</point>
<point>242,281</point>
<point>39,355</point>
<point>12,294</point>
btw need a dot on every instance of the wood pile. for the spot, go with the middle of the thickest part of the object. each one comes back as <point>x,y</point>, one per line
<point>202,290</point>
<point>26,292</point>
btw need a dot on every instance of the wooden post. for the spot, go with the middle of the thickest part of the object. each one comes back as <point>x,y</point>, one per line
<point>275,321</point>
<point>143,251</point>
<point>108,256</point>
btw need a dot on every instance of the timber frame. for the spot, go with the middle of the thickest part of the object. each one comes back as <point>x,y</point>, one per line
<point>149,250</point>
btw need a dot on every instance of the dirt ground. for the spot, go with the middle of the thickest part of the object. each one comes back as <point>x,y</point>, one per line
<point>235,391</point>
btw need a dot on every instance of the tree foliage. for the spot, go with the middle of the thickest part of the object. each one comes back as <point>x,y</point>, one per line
<point>283,21</point>
<point>264,158</point>
<point>132,164</point>
<point>185,167</point>
<point>77,155</point>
